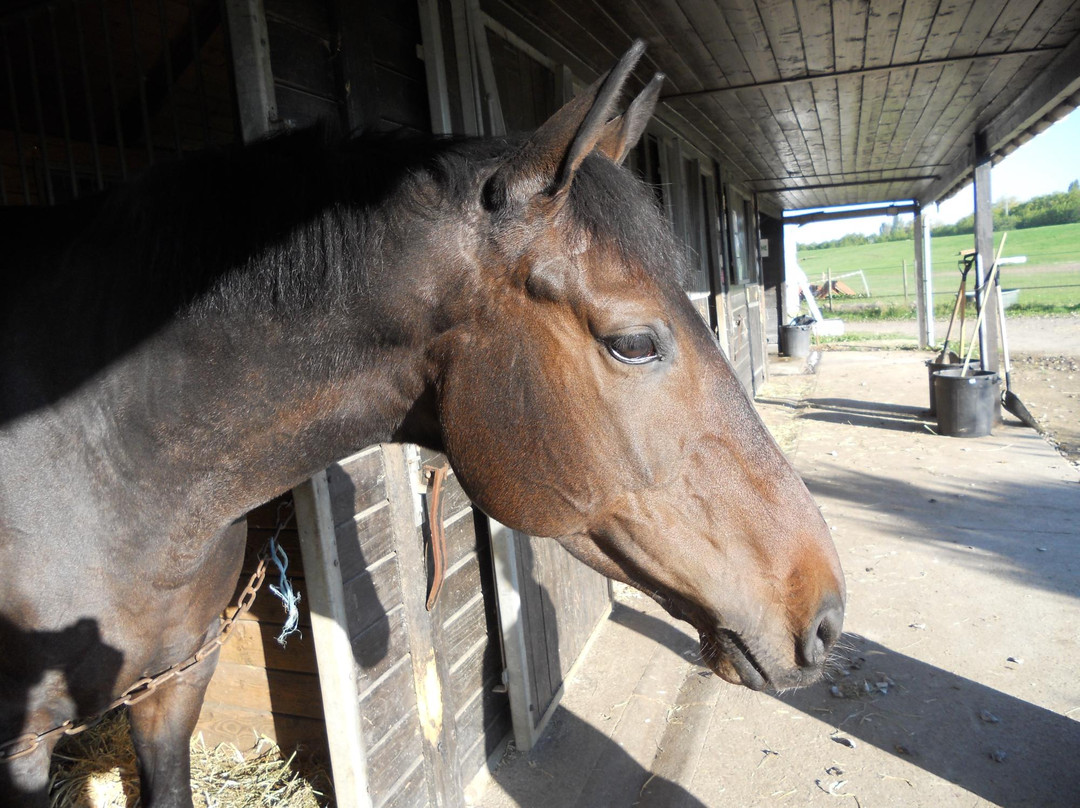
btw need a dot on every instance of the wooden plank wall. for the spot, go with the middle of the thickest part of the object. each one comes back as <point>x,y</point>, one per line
<point>467,635</point>
<point>526,87</point>
<point>755,323</point>
<point>305,82</point>
<point>351,64</point>
<point>772,277</point>
<point>755,296</point>
<point>562,603</point>
<point>100,98</point>
<point>372,579</point>
<point>399,73</point>
<point>383,83</point>
<point>739,335</point>
<point>261,688</point>
<point>397,646</point>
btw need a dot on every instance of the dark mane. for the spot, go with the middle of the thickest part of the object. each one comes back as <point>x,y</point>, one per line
<point>619,212</point>
<point>185,228</point>
<point>272,227</point>
<point>268,227</point>
<point>182,227</point>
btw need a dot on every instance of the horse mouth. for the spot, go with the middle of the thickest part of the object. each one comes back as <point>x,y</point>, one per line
<point>728,655</point>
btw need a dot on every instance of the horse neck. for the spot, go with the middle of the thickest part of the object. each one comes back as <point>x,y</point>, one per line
<point>253,393</point>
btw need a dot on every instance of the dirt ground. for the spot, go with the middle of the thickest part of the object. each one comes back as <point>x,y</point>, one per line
<point>1045,367</point>
<point>1049,386</point>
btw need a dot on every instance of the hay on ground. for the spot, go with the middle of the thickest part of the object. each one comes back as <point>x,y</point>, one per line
<point>97,769</point>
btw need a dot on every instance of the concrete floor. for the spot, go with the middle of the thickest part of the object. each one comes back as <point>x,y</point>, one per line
<point>959,682</point>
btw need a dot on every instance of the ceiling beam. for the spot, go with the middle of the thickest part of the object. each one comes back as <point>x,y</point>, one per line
<point>835,174</point>
<point>833,215</point>
<point>820,185</point>
<point>865,71</point>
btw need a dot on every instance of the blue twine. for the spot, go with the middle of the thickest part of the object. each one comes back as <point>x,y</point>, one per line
<point>284,590</point>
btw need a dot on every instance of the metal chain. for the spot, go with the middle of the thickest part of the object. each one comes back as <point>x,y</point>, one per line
<point>26,744</point>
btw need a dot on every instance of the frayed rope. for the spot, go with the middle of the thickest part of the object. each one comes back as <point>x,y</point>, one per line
<point>284,589</point>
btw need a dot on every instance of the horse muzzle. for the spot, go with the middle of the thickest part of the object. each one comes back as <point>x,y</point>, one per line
<point>760,664</point>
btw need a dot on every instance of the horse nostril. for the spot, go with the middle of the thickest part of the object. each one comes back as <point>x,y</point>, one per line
<point>823,633</point>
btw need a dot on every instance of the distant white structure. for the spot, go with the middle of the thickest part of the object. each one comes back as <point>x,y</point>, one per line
<point>795,281</point>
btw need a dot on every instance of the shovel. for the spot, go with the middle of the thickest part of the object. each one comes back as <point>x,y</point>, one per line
<point>988,287</point>
<point>1009,400</point>
<point>946,356</point>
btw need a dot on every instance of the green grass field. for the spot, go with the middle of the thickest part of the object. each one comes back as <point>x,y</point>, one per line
<point>1049,281</point>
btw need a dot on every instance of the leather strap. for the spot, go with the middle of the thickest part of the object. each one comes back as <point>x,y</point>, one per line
<point>435,476</point>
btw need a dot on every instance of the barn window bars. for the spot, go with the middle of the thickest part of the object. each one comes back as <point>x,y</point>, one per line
<point>95,90</point>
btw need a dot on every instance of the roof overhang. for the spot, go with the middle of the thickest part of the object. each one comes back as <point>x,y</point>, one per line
<point>812,104</point>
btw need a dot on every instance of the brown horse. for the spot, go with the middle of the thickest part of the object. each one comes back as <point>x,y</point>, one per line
<point>185,348</point>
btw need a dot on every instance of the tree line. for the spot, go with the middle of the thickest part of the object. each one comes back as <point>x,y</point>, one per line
<point>1060,207</point>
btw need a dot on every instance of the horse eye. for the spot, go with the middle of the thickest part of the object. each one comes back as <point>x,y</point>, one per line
<point>633,349</point>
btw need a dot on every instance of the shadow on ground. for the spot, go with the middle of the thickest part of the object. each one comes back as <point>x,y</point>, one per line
<point>1020,529</point>
<point>1003,749</point>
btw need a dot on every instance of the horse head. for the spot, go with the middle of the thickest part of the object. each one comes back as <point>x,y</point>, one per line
<point>583,398</point>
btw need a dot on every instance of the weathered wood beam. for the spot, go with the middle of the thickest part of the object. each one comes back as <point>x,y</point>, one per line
<point>984,260</point>
<point>834,215</point>
<point>329,625</point>
<point>861,72</point>
<point>785,187</point>
<point>836,175</point>
<point>249,41</point>
<point>924,289</point>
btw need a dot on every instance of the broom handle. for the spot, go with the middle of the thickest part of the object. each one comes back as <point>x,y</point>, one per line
<point>952,318</point>
<point>979,319</point>
<point>963,310</point>
<point>987,287</point>
<point>1004,334</point>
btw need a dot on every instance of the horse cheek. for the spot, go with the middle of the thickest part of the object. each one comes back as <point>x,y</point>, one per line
<point>506,464</point>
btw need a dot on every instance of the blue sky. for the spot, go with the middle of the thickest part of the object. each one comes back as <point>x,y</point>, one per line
<point>1046,163</point>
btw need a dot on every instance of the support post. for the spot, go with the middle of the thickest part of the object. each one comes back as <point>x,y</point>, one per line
<point>924,289</point>
<point>504,549</point>
<point>329,625</point>
<point>984,257</point>
<point>255,96</point>
<point>431,676</point>
<point>435,67</point>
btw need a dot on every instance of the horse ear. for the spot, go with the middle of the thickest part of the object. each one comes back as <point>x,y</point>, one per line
<point>623,133</point>
<point>548,160</point>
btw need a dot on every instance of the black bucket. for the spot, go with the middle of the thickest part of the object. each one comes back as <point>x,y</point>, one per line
<point>966,404</point>
<point>795,340</point>
<point>933,367</point>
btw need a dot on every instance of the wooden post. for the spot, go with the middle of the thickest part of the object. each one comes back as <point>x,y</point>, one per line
<point>431,676</point>
<point>905,283</point>
<point>249,41</point>
<point>468,75</point>
<point>924,296</point>
<point>828,286</point>
<point>984,258</point>
<point>435,67</point>
<point>329,627</point>
<point>515,646</point>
